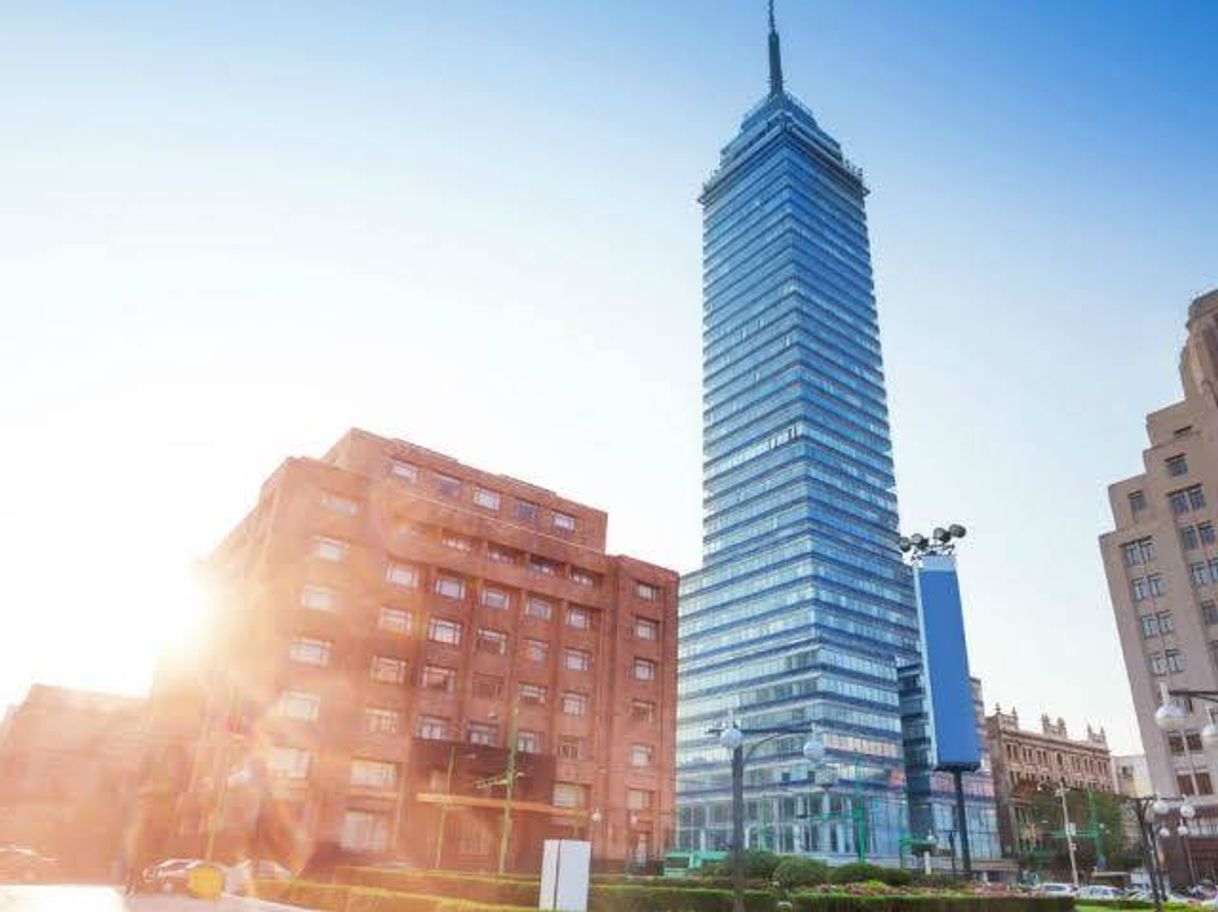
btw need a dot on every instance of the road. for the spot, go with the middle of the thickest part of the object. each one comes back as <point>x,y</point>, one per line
<point>72,898</point>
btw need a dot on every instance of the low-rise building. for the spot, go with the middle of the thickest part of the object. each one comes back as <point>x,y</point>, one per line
<point>1027,760</point>
<point>69,765</point>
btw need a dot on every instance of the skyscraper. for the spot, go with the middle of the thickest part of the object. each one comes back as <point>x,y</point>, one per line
<point>802,611</point>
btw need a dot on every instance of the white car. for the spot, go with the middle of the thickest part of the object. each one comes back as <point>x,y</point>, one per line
<point>1099,891</point>
<point>1056,889</point>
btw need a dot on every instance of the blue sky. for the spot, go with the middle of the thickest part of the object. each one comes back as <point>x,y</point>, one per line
<point>229,233</point>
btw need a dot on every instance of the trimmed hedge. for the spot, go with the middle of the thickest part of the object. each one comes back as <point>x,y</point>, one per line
<point>674,899</point>
<point>346,898</point>
<point>495,891</point>
<point>829,902</point>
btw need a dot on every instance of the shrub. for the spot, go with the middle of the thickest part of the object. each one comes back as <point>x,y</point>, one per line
<point>794,871</point>
<point>758,864</point>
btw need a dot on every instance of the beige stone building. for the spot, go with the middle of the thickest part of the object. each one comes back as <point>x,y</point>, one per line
<point>1131,775</point>
<point>1161,561</point>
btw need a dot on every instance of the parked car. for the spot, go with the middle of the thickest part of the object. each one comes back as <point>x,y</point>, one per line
<point>1056,889</point>
<point>23,865</point>
<point>168,876</point>
<point>1099,891</point>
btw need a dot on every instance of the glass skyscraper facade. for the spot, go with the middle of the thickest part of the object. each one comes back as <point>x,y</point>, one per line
<point>802,611</point>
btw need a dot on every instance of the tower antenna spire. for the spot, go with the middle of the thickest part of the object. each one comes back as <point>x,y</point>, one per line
<point>775,57</point>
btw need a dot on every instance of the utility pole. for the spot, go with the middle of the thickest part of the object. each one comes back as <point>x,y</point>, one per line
<point>509,786</point>
<point>448,797</point>
<point>1061,793</point>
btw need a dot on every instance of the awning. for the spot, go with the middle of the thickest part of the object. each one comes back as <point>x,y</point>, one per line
<point>478,801</point>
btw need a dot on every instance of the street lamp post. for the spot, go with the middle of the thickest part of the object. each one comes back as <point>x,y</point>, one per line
<point>732,737</point>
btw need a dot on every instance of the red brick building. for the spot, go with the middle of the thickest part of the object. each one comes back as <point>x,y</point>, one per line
<point>386,620</point>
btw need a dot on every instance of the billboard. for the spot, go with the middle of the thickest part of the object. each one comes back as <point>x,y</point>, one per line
<point>951,720</point>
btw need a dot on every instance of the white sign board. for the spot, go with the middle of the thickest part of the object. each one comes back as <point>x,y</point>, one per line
<point>564,875</point>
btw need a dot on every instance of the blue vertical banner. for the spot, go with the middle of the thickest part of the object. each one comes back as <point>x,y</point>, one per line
<point>952,724</point>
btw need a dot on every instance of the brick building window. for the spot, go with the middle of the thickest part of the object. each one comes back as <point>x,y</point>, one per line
<point>491,641</point>
<point>433,728</point>
<point>496,598</point>
<point>486,498</point>
<point>364,831</point>
<point>570,795</point>
<point>484,733</point>
<point>646,591</point>
<point>526,511</point>
<point>450,587</point>
<point>574,704</point>
<point>646,628</point>
<point>309,651</point>
<point>394,620</point>
<point>437,677</point>
<point>331,549</point>
<point>639,799</point>
<point>402,575</point>
<point>644,670</point>
<point>642,755</point>
<point>377,774</point>
<point>336,503</point>
<point>448,485</point>
<point>584,577</point>
<point>571,747</point>
<point>380,721</point>
<point>288,763</point>
<point>388,670</point>
<point>318,598</point>
<point>488,687</point>
<point>403,471</point>
<point>642,711</point>
<point>577,659</point>
<point>534,694</point>
<point>455,541</point>
<point>579,618</point>
<point>564,522</point>
<point>442,630</point>
<point>538,608</point>
<point>299,705</point>
<point>536,650</point>
<point>528,742</point>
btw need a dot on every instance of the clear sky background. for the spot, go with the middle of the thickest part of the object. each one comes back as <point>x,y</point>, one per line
<point>230,231</point>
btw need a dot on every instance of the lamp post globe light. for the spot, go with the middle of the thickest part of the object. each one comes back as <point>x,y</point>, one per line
<point>1209,735</point>
<point>1187,811</point>
<point>1160,807</point>
<point>732,737</point>
<point>1171,716</point>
